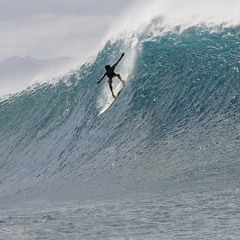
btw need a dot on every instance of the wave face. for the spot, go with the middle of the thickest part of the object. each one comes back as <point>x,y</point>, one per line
<point>174,127</point>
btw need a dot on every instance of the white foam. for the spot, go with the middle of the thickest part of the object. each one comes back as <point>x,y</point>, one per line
<point>185,13</point>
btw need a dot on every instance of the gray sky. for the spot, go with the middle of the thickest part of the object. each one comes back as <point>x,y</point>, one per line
<point>47,29</point>
<point>75,28</point>
<point>53,28</point>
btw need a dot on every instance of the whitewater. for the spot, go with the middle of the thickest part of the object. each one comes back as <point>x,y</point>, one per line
<point>162,163</point>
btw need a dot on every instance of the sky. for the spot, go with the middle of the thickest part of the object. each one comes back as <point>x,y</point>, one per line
<point>78,29</point>
<point>54,28</point>
<point>75,28</point>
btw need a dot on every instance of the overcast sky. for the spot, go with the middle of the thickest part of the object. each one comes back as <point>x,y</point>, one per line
<point>53,28</point>
<point>46,29</point>
<point>75,28</point>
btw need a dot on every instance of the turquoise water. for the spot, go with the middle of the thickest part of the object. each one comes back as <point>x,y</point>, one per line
<point>173,132</point>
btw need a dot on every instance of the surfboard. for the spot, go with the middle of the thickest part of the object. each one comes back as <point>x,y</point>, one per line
<point>111,100</point>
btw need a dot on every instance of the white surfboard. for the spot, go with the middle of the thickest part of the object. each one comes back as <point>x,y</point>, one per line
<point>111,100</point>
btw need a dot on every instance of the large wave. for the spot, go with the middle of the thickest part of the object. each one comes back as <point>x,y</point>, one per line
<point>175,126</point>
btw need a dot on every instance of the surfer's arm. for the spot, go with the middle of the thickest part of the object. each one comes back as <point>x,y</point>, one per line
<point>102,78</point>
<point>114,65</point>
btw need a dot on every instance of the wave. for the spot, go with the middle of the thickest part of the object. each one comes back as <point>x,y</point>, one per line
<point>174,127</point>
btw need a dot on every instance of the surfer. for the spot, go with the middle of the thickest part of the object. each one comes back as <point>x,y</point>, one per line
<point>111,74</point>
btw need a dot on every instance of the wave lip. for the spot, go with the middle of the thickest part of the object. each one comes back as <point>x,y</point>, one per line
<point>185,14</point>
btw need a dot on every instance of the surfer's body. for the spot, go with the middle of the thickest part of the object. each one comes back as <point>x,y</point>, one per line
<point>111,74</point>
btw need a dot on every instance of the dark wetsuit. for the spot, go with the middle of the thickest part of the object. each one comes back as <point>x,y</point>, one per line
<point>111,74</point>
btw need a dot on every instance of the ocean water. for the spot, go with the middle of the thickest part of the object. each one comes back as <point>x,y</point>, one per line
<point>186,216</point>
<point>162,163</point>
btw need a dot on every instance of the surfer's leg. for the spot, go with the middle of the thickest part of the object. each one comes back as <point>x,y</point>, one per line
<point>118,75</point>
<point>110,86</point>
